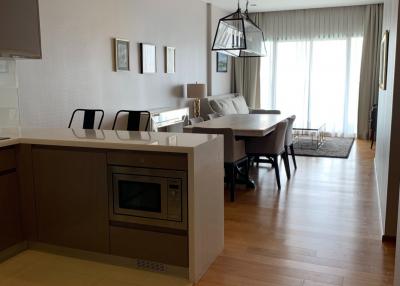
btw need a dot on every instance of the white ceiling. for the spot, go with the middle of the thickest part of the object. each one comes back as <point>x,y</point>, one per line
<point>277,5</point>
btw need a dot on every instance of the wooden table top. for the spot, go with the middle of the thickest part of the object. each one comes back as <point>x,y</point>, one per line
<point>246,125</point>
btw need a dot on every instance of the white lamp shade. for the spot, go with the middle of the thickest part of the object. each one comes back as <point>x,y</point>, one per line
<point>198,90</point>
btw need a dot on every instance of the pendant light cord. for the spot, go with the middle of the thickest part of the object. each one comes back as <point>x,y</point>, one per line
<point>247,9</point>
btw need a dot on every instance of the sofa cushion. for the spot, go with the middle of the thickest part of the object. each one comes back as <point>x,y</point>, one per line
<point>240,104</point>
<point>223,106</point>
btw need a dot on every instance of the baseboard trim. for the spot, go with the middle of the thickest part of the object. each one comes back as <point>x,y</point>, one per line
<point>379,200</point>
<point>13,250</point>
<point>388,238</point>
<point>105,258</point>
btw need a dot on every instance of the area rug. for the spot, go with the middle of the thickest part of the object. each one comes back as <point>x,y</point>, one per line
<point>332,148</point>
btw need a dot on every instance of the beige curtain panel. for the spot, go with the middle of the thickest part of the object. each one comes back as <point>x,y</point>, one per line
<point>247,80</point>
<point>247,74</point>
<point>295,25</point>
<point>323,23</point>
<point>369,78</point>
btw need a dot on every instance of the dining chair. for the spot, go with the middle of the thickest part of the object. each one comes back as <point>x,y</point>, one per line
<point>195,120</point>
<point>213,116</point>
<point>289,141</point>
<point>89,117</point>
<point>234,155</point>
<point>270,146</point>
<point>134,120</point>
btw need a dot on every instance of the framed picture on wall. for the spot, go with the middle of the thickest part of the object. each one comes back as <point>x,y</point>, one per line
<point>384,61</point>
<point>222,62</point>
<point>170,59</point>
<point>148,58</point>
<point>121,55</point>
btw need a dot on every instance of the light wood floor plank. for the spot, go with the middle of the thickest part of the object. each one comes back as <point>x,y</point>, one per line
<point>321,229</point>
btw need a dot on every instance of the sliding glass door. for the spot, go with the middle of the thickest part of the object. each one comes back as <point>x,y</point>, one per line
<point>316,80</point>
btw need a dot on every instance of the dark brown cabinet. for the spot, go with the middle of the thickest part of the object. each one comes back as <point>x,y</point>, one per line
<point>10,223</point>
<point>148,245</point>
<point>71,198</point>
<point>60,196</point>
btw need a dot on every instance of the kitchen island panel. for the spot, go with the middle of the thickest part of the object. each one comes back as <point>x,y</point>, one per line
<point>71,197</point>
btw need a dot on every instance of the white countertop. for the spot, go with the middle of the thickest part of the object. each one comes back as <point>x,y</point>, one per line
<point>167,109</point>
<point>106,139</point>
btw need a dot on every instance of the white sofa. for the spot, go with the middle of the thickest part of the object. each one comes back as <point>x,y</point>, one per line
<point>229,104</point>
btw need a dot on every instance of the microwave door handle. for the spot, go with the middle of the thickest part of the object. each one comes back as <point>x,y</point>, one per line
<point>164,198</point>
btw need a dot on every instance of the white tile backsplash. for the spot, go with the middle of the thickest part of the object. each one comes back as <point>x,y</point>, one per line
<point>9,106</point>
<point>3,66</point>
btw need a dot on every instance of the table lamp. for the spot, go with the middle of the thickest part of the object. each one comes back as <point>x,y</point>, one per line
<point>196,91</point>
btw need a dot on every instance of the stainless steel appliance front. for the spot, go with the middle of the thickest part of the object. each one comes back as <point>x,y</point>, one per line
<point>145,196</point>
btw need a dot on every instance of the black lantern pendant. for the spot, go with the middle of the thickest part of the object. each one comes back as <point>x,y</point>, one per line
<point>238,36</point>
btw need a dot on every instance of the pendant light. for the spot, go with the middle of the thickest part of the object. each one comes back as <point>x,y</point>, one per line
<point>238,36</point>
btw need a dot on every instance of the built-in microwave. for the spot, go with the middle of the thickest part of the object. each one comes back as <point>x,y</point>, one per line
<point>150,197</point>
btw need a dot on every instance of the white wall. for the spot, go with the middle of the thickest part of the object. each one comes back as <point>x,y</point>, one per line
<point>221,82</point>
<point>9,111</point>
<point>387,161</point>
<point>76,69</point>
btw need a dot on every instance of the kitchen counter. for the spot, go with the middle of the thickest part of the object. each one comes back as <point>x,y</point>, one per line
<point>34,161</point>
<point>106,139</point>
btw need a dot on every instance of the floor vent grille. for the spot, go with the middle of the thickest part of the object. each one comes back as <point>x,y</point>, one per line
<point>151,266</point>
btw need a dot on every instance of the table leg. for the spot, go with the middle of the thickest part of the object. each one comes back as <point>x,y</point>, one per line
<point>243,178</point>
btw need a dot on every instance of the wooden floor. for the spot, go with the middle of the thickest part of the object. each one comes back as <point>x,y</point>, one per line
<point>321,229</point>
<point>36,268</point>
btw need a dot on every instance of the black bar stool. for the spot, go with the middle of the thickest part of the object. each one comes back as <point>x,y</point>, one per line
<point>134,119</point>
<point>89,117</point>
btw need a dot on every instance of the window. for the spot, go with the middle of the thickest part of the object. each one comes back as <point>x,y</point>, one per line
<point>317,80</point>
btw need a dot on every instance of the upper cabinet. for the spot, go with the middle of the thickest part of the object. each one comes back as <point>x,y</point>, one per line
<point>20,29</point>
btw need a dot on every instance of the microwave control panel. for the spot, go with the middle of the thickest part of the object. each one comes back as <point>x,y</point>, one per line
<point>175,200</point>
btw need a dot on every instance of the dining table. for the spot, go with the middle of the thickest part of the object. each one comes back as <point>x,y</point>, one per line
<point>244,126</point>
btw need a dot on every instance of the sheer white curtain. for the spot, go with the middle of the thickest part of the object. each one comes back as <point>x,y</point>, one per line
<point>313,66</point>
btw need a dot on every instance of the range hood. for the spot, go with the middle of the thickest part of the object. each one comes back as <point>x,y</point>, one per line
<point>20,29</point>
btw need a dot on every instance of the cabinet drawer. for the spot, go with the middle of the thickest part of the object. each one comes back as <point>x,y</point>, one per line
<point>7,159</point>
<point>172,161</point>
<point>148,245</point>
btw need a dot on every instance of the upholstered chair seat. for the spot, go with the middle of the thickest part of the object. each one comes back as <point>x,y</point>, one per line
<point>234,154</point>
<point>270,146</point>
